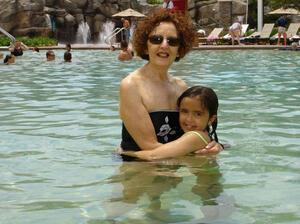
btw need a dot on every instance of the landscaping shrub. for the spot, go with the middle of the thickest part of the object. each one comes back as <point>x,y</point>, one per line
<point>30,42</point>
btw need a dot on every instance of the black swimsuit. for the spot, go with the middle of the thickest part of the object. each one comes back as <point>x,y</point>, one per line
<point>17,52</point>
<point>166,125</point>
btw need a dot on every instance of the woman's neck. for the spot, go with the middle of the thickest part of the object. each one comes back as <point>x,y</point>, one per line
<point>156,72</point>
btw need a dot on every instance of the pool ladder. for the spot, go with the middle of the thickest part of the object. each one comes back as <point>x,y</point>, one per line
<point>108,39</point>
<point>11,37</point>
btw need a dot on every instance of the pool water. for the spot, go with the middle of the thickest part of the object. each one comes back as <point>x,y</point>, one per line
<point>59,128</point>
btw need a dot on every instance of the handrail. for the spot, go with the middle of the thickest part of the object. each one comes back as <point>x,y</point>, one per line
<point>113,34</point>
<point>11,37</point>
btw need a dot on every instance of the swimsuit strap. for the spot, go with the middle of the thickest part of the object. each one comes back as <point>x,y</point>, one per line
<point>199,135</point>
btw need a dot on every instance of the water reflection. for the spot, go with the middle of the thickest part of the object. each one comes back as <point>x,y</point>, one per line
<point>177,190</point>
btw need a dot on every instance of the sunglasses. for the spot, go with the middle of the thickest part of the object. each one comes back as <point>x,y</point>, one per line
<point>158,39</point>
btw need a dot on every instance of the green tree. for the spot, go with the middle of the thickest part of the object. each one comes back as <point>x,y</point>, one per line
<point>283,3</point>
<point>273,4</point>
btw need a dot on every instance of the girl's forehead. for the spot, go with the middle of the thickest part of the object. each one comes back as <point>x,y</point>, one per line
<point>191,102</point>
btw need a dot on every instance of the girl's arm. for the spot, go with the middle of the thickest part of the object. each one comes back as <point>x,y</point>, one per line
<point>189,142</point>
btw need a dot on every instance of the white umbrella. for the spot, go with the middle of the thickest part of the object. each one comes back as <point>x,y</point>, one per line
<point>129,13</point>
<point>287,11</point>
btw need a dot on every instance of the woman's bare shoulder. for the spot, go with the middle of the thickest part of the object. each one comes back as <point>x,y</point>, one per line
<point>131,80</point>
<point>180,84</point>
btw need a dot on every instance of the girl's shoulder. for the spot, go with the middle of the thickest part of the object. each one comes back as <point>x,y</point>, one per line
<point>201,135</point>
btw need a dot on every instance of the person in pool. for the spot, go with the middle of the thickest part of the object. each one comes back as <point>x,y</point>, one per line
<point>67,56</point>
<point>125,53</point>
<point>198,108</point>
<point>50,55</point>
<point>9,59</point>
<point>148,95</point>
<point>68,47</point>
<point>17,48</point>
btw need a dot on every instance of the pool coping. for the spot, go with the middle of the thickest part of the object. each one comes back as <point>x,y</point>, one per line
<point>200,47</point>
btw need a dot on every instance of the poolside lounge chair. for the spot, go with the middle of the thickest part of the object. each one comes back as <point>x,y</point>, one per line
<point>291,31</point>
<point>264,35</point>
<point>212,37</point>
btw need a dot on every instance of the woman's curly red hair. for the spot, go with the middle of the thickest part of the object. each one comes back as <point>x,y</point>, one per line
<point>183,23</point>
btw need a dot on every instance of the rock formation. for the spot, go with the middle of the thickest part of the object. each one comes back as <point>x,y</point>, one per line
<point>61,18</point>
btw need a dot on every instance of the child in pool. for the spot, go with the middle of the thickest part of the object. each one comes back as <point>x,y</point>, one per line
<point>198,108</point>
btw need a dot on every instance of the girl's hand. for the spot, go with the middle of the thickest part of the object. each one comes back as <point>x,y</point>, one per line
<point>212,148</point>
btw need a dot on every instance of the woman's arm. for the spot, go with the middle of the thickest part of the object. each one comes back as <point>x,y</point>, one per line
<point>24,47</point>
<point>11,47</point>
<point>135,115</point>
<point>189,142</point>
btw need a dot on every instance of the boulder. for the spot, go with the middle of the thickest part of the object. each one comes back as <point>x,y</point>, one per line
<point>21,16</point>
<point>69,6</point>
<point>50,3</point>
<point>80,3</point>
<point>98,22</point>
<point>33,31</point>
<point>28,5</point>
<point>79,18</point>
<point>70,20</point>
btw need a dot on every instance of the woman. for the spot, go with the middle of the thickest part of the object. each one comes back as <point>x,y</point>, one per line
<point>148,95</point>
<point>17,48</point>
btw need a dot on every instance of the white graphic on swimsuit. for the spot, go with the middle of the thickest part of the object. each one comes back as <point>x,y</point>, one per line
<point>165,129</point>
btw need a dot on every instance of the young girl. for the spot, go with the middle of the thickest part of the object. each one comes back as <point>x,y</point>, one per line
<point>198,108</point>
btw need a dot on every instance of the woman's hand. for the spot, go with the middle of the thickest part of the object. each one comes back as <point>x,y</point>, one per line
<point>212,148</point>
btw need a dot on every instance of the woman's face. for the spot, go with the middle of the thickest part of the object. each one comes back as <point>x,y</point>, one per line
<point>17,44</point>
<point>192,116</point>
<point>163,44</point>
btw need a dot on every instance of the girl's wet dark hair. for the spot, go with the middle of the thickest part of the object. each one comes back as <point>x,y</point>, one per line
<point>184,26</point>
<point>208,99</point>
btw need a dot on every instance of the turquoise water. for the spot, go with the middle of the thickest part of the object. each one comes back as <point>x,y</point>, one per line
<point>59,128</point>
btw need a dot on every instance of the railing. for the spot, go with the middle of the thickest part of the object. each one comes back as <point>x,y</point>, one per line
<point>113,34</point>
<point>11,37</point>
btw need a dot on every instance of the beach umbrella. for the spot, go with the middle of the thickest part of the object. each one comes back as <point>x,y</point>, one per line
<point>287,11</point>
<point>129,13</point>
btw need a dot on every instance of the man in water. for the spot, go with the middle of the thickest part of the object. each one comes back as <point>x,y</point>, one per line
<point>50,55</point>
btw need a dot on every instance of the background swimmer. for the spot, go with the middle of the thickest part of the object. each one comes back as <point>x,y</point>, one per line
<point>50,56</point>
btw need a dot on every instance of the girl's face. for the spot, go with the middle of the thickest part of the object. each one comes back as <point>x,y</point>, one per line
<point>192,116</point>
<point>163,44</point>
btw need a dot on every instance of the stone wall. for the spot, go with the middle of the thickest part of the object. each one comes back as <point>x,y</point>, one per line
<point>61,18</point>
<point>215,13</point>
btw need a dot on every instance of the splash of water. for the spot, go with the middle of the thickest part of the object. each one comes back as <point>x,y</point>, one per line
<point>48,20</point>
<point>83,33</point>
<point>106,30</point>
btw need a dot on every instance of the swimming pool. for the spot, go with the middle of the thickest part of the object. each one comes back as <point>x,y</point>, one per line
<point>60,127</point>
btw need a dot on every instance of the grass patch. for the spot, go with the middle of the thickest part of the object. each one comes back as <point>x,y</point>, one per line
<point>154,2</point>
